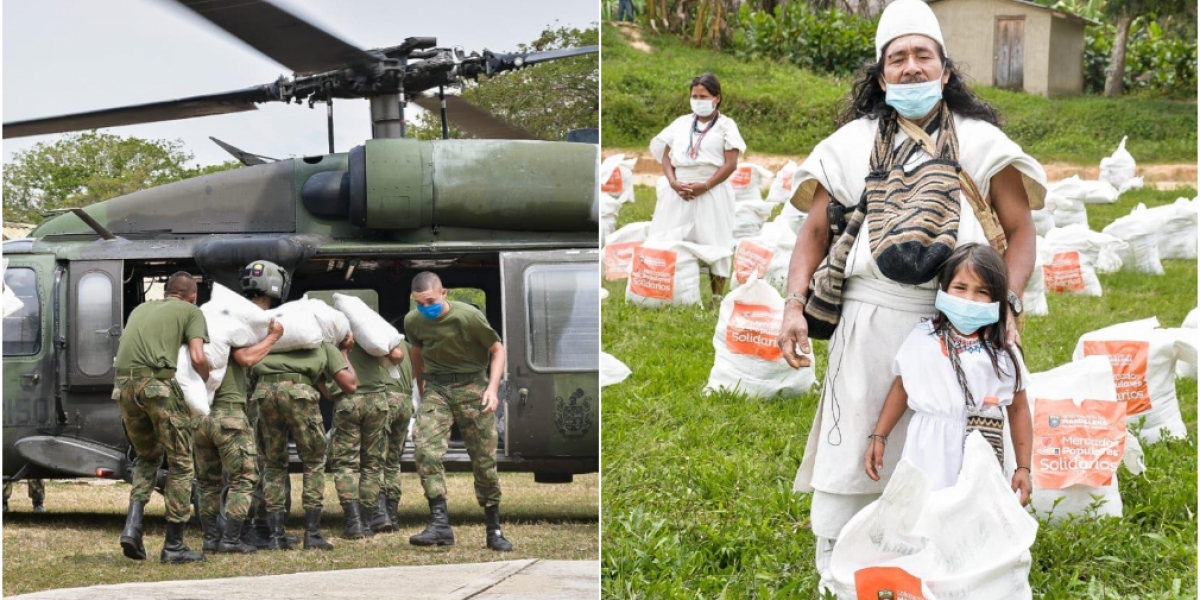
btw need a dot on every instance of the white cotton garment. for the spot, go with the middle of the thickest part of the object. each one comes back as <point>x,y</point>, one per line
<point>934,441</point>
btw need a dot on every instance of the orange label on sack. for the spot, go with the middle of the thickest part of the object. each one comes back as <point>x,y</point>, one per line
<point>1077,444</point>
<point>1063,273</point>
<point>617,258</point>
<point>887,583</point>
<point>1129,361</point>
<point>741,177</point>
<point>614,185</point>
<point>751,258</point>
<point>653,273</point>
<point>753,330</point>
<point>787,180</point>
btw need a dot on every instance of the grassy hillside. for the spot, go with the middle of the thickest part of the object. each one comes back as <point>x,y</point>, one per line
<point>784,110</point>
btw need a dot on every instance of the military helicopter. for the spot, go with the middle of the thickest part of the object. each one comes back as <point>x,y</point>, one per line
<point>507,222</point>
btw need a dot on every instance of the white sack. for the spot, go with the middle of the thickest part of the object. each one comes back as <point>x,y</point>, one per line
<point>1043,220</point>
<point>619,246</point>
<point>612,371</point>
<point>1119,168</point>
<point>1186,367</point>
<point>1107,253</point>
<point>781,186</point>
<point>666,272</point>
<point>1085,190</point>
<point>748,357</point>
<point>1065,210</point>
<point>334,324</point>
<point>1135,183</point>
<point>603,294</point>
<point>1177,228</point>
<point>970,540</point>
<point>301,328</point>
<point>616,177</point>
<point>792,217</point>
<point>227,303</point>
<point>222,328</point>
<point>749,216</point>
<point>1143,363</point>
<point>371,332</point>
<point>769,254</point>
<point>1069,272</point>
<point>748,181</point>
<point>1141,232</point>
<point>1087,379</point>
<point>1034,298</point>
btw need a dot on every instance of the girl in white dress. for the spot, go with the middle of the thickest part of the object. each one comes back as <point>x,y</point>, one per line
<point>698,153</point>
<point>955,372</point>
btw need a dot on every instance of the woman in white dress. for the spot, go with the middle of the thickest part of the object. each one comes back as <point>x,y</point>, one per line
<point>698,153</point>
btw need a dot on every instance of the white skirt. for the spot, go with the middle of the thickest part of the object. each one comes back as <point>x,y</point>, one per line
<point>710,215</point>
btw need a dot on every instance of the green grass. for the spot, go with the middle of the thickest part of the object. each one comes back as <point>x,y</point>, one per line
<point>75,543</point>
<point>697,489</point>
<point>782,109</point>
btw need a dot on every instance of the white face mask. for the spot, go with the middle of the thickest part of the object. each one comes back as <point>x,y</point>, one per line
<point>702,108</point>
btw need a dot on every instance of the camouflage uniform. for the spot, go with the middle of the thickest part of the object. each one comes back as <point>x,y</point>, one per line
<point>359,442</point>
<point>443,405</point>
<point>400,412</point>
<point>225,438</point>
<point>157,421</point>
<point>37,490</point>
<point>283,406</point>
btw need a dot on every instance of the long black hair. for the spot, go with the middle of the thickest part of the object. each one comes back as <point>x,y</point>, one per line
<point>868,99</point>
<point>988,266</point>
<point>710,83</point>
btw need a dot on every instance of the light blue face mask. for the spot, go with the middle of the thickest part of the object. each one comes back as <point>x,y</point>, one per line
<point>430,312</point>
<point>915,100</point>
<point>967,316</point>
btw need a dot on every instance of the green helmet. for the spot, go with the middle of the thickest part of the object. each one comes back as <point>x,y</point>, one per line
<point>264,277</point>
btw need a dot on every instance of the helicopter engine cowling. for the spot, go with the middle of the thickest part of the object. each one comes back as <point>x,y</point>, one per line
<point>485,184</point>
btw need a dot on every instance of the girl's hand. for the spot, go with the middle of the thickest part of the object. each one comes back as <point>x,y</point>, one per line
<point>874,458</point>
<point>1021,482</point>
<point>683,189</point>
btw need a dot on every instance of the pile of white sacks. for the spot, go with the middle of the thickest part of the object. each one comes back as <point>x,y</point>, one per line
<point>235,322</point>
<point>616,189</point>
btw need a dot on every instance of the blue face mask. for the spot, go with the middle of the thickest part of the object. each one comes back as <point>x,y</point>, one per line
<point>430,312</point>
<point>914,100</point>
<point>967,316</point>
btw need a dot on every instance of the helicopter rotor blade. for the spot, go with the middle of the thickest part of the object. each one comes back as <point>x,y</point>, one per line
<point>246,158</point>
<point>472,120</point>
<point>498,63</point>
<point>183,108</point>
<point>282,36</point>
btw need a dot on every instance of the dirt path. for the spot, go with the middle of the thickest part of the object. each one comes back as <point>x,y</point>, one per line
<point>633,34</point>
<point>1162,176</point>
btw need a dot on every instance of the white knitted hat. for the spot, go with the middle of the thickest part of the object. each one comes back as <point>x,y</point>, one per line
<point>906,17</point>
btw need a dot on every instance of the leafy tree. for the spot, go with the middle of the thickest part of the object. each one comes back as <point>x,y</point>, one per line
<point>1124,12</point>
<point>80,169</point>
<point>547,100</point>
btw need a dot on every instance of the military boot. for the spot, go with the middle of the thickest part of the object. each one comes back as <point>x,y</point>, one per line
<point>495,538</point>
<point>131,536</point>
<point>313,540</point>
<point>355,529</point>
<point>278,539</point>
<point>250,535</point>
<point>231,538</point>
<point>437,532</point>
<point>38,506</point>
<point>393,510</point>
<point>174,550</point>
<point>262,529</point>
<point>212,533</point>
<point>381,522</point>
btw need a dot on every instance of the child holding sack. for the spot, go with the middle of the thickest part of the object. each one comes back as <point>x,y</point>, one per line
<point>956,372</point>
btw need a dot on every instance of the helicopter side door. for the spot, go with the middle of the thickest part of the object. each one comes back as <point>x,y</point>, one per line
<point>551,302</point>
<point>28,349</point>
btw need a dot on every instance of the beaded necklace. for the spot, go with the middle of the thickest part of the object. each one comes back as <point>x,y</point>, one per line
<point>693,150</point>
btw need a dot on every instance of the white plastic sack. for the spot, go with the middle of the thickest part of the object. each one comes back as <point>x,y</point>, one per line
<point>1069,272</point>
<point>609,207</point>
<point>1088,385</point>
<point>371,332</point>
<point>603,294</point>
<point>619,246</point>
<point>1119,168</point>
<point>612,371</point>
<point>222,328</point>
<point>768,255</point>
<point>1043,219</point>
<point>666,272</point>
<point>748,181</point>
<point>970,540</point>
<point>224,302</point>
<point>1143,364</point>
<point>748,357</point>
<point>334,324</point>
<point>616,177</point>
<point>749,216</point>
<point>1141,231</point>
<point>792,217</point>
<point>1186,367</point>
<point>781,186</point>
<point>1065,210</point>
<point>1085,190</point>
<point>301,328</point>
<point>1177,228</point>
<point>1034,298</point>
<point>1107,253</point>
<point>1135,183</point>
<point>11,302</point>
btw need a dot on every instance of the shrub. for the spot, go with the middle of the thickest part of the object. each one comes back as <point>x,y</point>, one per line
<point>825,41</point>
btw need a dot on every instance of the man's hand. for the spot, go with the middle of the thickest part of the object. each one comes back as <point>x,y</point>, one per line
<point>793,333</point>
<point>490,400</point>
<point>1020,481</point>
<point>873,461</point>
<point>397,354</point>
<point>275,329</point>
<point>348,343</point>
<point>1012,337</point>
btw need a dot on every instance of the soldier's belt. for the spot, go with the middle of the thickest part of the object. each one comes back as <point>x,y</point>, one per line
<point>147,372</point>
<point>228,405</point>
<point>276,378</point>
<point>454,377</point>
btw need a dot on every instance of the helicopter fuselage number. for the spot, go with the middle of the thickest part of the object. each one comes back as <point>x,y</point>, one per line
<point>25,411</point>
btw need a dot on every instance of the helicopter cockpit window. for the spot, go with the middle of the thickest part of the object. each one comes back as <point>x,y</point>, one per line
<point>23,328</point>
<point>94,352</point>
<point>563,313</point>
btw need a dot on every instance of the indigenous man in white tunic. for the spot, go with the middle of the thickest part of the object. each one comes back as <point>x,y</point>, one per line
<point>909,107</point>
